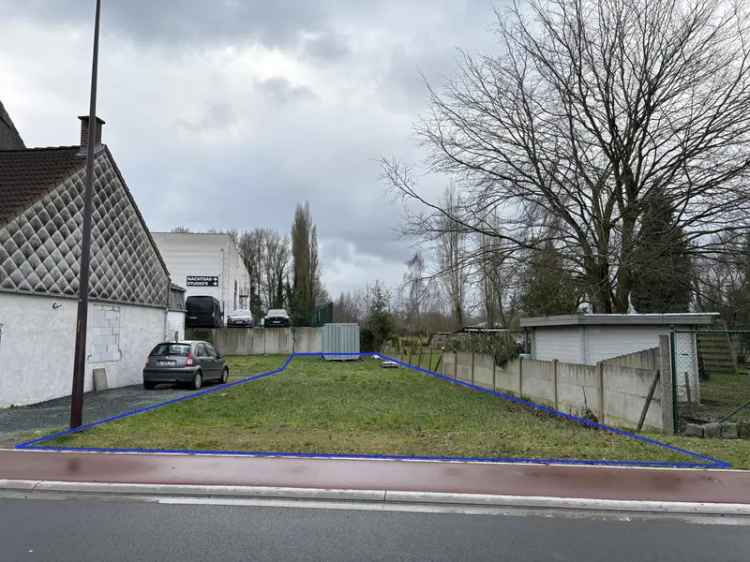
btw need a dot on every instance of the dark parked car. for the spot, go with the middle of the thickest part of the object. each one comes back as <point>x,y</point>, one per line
<point>203,312</point>
<point>276,318</point>
<point>188,362</point>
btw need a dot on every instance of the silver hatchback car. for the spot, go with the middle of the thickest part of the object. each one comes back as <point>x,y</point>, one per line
<point>188,362</point>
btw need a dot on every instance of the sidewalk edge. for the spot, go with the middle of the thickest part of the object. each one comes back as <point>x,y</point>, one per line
<point>377,496</point>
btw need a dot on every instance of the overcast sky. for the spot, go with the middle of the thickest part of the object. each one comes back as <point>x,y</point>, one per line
<point>226,114</point>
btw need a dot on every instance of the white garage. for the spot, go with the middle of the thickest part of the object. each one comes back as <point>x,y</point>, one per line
<point>588,339</point>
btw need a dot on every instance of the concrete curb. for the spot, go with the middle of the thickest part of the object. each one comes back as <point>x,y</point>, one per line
<point>373,496</point>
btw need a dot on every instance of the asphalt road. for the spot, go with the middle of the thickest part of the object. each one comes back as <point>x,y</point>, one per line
<point>89,530</point>
<point>19,423</point>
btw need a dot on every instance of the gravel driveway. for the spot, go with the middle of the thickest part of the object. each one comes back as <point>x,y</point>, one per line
<point>17,424</point>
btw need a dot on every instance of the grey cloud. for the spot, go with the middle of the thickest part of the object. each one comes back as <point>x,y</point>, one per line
<point>327,47</point>
<point>182,21</point>
<point>210,160</point>
<point>283,91</point>
<point>216,116</point>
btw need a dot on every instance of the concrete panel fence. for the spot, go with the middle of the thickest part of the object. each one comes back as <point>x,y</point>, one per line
<point>260,341</point>
<point>616,392</point>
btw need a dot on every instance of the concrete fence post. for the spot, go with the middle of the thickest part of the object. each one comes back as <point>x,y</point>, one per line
<point>602,410</point>
<point>455,364</point>
<point>667,376</point>
<point>494,380</point>
<point>555,364</point>
<point>520,377</point>
<point>473,360</point>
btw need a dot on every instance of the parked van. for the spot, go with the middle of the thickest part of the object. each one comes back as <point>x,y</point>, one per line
<point>203,312</point>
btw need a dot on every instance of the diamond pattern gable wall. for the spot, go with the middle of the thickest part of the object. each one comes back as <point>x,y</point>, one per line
<point>40,249</point>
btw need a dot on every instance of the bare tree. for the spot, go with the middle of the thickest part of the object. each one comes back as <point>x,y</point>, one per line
<point>266,255</point>
<point>414,287</point>
<point>498,276</point>
<point>276,258</point>
<point>722,283</point>
<point>350,307</point>
<point>251,250</point>
<point>451,256</point>
<point>588,107</point>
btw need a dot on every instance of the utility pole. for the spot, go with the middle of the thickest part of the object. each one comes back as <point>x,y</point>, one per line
<point>79,364</point>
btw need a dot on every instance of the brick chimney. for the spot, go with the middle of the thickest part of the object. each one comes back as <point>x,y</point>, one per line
<point>85,131</point>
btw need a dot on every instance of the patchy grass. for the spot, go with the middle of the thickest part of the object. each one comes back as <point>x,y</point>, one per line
<point>734,451</point>
<point>722,394</point>
<point>358,408</point>
<point>242,366</point>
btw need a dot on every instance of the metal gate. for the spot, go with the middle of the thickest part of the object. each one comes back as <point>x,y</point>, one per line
<point>711,377</point>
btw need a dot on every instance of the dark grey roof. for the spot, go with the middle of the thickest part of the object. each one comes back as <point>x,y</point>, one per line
<point>9,137</point>
<point>28,175</point>
<point>680,319</point>
<point>40,205</point>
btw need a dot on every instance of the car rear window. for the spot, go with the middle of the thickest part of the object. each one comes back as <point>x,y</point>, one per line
<point>170,349</point>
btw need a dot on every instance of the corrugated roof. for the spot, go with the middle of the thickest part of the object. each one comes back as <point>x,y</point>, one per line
<point>28,175</point>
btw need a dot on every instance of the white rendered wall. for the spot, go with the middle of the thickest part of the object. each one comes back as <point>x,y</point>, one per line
<point>564,344</point>
<point>605,342</point>
<point>175,325</point>
<point>589,345</point>
<point>37,340</point>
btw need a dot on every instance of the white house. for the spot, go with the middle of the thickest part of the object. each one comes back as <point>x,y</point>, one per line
<point>590,338</point>
<point>40,235</point>
<point>206,264</point>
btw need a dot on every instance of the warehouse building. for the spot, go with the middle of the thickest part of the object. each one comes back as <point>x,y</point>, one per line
<point>207,264</point>
<point>41,204</point>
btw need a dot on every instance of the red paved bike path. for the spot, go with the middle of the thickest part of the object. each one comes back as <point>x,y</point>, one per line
<point>713,486</point>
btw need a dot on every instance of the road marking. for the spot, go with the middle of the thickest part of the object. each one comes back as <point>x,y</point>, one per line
<point>436,509</point>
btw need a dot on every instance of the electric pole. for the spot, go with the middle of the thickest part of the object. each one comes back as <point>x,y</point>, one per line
<point>79,364</point>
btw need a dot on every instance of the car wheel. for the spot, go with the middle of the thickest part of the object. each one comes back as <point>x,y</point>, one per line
<point>197,381</point>
<point>225,376</point>
<point>148,385</point>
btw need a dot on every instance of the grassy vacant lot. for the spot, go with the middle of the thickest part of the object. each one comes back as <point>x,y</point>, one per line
<point>359,408</point>
<point>242,366</point>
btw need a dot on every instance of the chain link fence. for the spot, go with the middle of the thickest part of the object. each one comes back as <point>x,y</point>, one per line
<point>712,378</point>
<point>426,351</point>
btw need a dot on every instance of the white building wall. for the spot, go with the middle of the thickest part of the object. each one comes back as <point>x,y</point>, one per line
<point>605,342</point>
<point>213,255</point>
<point>563,343</point>
<point>175,325</point>
<point>37,340</point>
<point>589,345</point>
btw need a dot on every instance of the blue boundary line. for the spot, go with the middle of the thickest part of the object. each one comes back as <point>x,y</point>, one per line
<point>707,461</point>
